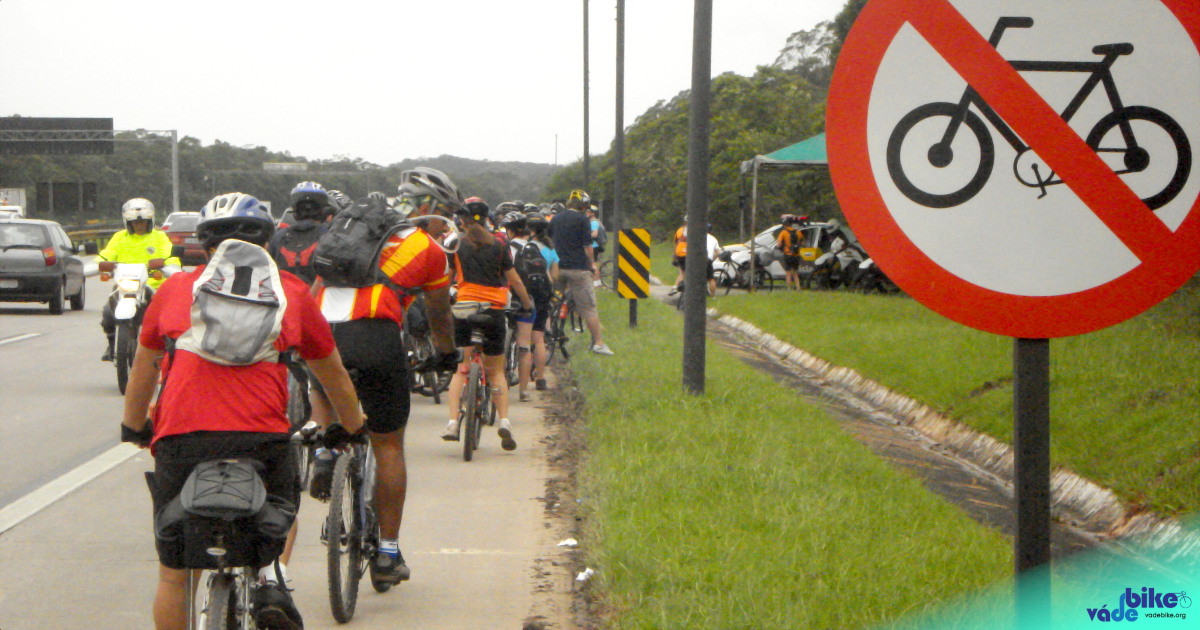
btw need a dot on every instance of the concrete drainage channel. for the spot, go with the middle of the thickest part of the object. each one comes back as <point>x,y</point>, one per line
<point>969,469</point>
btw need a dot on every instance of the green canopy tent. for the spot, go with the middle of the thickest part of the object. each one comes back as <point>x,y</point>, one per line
<point>806,154</point>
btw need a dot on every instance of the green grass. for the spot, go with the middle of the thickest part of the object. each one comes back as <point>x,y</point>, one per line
<point>1124,400</point>
<point>742,508</point>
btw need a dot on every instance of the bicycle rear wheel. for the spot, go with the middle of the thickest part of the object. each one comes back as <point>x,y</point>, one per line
<point>471,411</point>
<point>220,606</point>
<point>343,539</point>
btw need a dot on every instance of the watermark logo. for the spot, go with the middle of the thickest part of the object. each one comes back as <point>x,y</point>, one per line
<point>1146,603</point>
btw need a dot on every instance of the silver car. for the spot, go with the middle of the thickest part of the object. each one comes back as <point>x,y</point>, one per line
<point>38,263</point>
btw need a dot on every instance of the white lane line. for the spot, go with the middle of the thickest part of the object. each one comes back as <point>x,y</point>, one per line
<point>19,338</point>
<point>35,501</point>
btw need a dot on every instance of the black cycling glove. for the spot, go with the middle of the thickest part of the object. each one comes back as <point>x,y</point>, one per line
<point>336,436</point>
<point>448,362</point>
<point>140,438</point>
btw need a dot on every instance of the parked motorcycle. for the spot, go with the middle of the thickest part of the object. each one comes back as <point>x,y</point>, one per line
<point>836,268</point>
<point>871,279</point>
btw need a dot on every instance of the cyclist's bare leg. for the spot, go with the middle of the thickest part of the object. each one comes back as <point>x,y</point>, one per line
<point>494,366</point>
<point>458,382</point>
<point>524,358</point>
<point>593,325</point>
<point>391,481</point>
<point>291,541</point>
<point>170,601</point>
<point>538,369</point>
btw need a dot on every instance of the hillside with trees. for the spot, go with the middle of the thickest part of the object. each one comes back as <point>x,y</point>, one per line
<point>781,104</point>
<point>143,169</point>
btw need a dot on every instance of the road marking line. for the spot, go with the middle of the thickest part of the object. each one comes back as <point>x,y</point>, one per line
<point>474,552</point>
<point>43,497</point>
<point>19,338</point>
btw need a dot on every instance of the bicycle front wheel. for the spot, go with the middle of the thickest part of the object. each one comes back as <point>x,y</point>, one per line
<point>608,276</point>
<point>220,606</point>
<point>471,410</point>
<point>343,539</point>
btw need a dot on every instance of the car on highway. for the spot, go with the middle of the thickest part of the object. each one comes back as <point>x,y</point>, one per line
<point>815,242</point>
<point>180,227</point>
<point>39,263</point>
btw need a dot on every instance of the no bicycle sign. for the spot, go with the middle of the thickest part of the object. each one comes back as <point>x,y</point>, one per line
<point>1023,167</point>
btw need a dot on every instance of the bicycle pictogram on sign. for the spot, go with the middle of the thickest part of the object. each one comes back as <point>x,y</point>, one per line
<point>1114,134</point>
<point>1089,98</point>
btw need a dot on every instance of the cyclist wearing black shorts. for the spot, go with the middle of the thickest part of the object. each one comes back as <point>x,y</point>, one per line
<point>485,273</point>
<point>210,411</point>
<point>366,325</point>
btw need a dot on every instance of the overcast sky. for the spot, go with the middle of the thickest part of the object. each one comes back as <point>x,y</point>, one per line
<point>382,81</point>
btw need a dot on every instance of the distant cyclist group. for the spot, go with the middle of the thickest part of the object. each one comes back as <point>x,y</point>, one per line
<point>323,301</point>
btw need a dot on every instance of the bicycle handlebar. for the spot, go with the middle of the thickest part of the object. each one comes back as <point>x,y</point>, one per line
<point>1008,22</point>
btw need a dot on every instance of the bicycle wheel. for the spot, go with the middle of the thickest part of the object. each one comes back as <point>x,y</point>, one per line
<point>940,155</point>
<point>512,367</point>
<point>726,279</point>
<point>608,276</point>
<point>343,539</point>
<point>471,411</point>
<point>220,605</point>
<point>1159,185</point>
<point>124,346</point>
<point>763,280</point>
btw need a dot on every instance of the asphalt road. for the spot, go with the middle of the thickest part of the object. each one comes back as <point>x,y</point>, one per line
<point>474,533</point>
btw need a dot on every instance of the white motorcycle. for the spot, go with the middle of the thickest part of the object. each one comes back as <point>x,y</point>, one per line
<point>836,267</point>
<point>130,287</point>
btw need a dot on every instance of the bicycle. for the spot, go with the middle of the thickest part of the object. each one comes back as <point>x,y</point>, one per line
<point>418,344</point>
<point>737,275</point>
<point>512,354</point>
<point>557,325</point>
<point>1135,158</point>
<point>475,407</point>
<point>351,531</point>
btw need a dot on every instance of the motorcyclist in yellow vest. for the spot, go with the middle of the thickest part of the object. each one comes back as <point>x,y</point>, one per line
<point>139,242</point>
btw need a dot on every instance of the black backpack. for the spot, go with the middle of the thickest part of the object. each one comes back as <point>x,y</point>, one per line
<point>601,238</point>
<point>347,254</point>
<point>531,266</point>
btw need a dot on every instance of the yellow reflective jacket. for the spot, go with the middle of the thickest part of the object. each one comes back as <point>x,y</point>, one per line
<point>125,247</point>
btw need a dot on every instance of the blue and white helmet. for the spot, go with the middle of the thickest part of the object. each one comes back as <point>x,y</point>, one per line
<point>234,215</point>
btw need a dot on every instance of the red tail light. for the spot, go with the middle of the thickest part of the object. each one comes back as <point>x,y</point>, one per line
<point>176,238</point>
<point>50,256</point>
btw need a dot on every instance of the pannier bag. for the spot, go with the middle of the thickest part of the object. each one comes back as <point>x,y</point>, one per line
<point>223,517</point>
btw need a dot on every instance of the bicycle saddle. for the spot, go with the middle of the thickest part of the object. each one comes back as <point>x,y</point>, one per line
<point>1113,49</point>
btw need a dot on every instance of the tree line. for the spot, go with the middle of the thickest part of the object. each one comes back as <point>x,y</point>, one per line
<point>780,105</point>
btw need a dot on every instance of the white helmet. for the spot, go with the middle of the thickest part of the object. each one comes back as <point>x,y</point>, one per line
<point>137,208</point>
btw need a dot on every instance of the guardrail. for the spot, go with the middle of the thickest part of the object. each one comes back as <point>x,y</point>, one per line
<point>91,236</point>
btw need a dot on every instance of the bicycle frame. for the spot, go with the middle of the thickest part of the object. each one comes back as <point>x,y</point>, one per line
<point>1100,73</point>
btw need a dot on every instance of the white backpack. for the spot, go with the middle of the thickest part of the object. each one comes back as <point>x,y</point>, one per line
<point>237,307</point>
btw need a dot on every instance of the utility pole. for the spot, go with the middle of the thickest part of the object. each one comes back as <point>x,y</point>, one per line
<point>586,177</point>
<point>695,282</point>
<point>619,141</point>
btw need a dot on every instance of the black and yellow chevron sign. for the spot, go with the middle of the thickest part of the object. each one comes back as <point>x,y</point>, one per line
<point>633,263</point>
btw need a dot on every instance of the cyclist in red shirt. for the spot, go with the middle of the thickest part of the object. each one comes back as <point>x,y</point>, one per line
<point>210,411</point>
